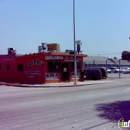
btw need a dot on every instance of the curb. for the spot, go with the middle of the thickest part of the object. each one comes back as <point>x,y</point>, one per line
<point>58,86</point>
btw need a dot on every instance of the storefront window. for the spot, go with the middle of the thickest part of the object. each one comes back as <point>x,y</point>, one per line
<point>53,66</point>
<point>72,66</point>
<point>78,66</point>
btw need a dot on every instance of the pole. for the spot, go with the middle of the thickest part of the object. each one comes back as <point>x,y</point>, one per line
<point>75,65</point>
<point>119,69</point>
<point>93,63</point>
<point>106,65</point>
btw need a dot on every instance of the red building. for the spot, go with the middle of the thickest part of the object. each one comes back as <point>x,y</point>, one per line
<point>44,67</point>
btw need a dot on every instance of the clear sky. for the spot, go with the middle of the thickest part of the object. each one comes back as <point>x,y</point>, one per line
<point>102,25</point>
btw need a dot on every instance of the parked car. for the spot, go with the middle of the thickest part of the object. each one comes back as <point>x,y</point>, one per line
<point>108,70</point>
<point>103,71</point>
<point>114,69</point>
<point>125,70</point>
<point>94,74</point>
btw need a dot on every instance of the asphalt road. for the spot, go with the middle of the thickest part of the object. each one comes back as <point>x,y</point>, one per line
<point>92,107</point>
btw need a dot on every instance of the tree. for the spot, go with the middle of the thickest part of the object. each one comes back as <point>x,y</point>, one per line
<point>125,55</point>
<point>79,43</point>
<point>115,58</point>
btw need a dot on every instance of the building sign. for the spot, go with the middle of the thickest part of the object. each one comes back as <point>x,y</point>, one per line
<point>52,47</point>
<point>35,62</point>
<point>71,59</point>
<point>61,58</point>
<point>31,74</point>
<point>7,58</point>
<point>51,76</point>
<point>54,58</point>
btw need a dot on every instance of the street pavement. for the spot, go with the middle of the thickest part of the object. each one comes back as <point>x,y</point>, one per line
<point>60,84</point>
<point>92,107</point>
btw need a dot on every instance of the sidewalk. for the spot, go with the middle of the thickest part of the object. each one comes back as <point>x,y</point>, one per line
<point>61,84</point>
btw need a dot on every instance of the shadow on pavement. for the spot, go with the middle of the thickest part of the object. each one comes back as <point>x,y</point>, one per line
<point>114,111</point>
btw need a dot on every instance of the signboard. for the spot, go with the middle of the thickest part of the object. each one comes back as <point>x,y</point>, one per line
<point>35,62</point>
<point>71,59</point>
<point>54,58</point>
<point>31,74</point>
<point>51,76</point>
<point>52,47</point>
<point>7,58</point>
<point>61,58</point>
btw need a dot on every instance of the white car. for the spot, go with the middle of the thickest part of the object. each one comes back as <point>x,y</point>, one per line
<point>125,70</point>
<point>108,70</point>
<point>114,69</point>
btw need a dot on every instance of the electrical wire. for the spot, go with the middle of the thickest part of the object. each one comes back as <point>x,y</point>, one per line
<point>106,53</point>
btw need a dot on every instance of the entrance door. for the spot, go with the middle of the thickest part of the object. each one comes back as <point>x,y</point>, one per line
<point>65,71</point>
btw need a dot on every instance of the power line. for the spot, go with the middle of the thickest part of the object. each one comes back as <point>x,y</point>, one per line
<point>105,53</point>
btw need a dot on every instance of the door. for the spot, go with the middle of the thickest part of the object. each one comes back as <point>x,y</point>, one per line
<point>65,71</point>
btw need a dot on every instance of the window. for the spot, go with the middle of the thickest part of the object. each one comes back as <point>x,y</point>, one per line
<point>20,67</point>
<point>0,67</point>
<point>50,66</point>
<point>53,66</point>
<point>57,66</point>
<point>8,67</point>
<point>78,66</point>
<point>72,66</point>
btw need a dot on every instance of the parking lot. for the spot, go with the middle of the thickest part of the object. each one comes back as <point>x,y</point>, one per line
<point>116,75</point>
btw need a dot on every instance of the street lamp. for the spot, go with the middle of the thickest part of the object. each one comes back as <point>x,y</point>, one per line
<point>75,64</point>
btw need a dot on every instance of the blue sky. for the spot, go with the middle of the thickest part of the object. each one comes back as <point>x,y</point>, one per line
<point>102,25</point>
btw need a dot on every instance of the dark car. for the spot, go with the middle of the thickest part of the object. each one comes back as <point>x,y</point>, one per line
<point>103,71</point>
<point>94,74</point>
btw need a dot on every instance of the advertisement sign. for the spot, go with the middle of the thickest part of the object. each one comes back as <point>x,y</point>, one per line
<point>52,47</point>
<point>54,58</point>
<point>35,62</point>
<point>51,76</point>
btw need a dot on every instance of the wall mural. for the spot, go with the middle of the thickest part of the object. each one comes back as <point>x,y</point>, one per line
<point>51,76</point>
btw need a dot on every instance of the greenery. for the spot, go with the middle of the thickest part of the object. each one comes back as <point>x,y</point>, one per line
<point>125,55</point>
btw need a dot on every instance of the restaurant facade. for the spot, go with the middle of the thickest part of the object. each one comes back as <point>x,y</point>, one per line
<point>39,68</point>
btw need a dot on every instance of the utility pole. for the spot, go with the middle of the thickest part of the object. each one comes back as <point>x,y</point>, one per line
<point>75,62</point>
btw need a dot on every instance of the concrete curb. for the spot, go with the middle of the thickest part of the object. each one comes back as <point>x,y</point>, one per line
<point>48,86</point>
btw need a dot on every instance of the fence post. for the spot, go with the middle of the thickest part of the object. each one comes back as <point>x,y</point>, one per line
<point>93,63</point>
<point>119,69</point>
<point>106,65</point>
